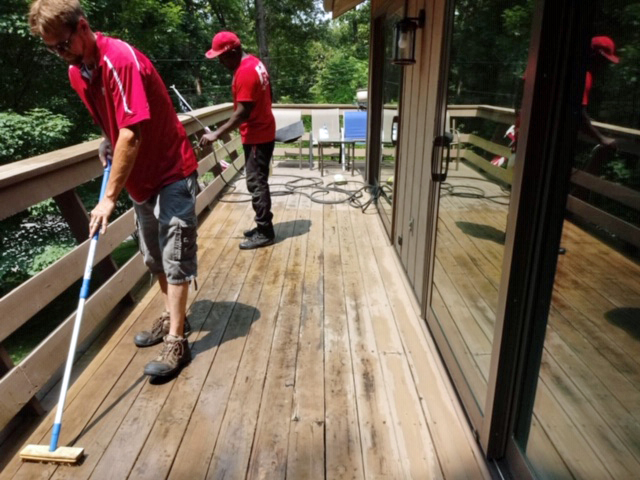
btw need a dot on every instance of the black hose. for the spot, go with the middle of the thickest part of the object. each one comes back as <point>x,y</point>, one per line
<point>299,183</point>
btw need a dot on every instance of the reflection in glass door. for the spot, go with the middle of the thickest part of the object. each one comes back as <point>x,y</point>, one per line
<point>391,90</point>
<point>487,60</point>
<point>586,415</point>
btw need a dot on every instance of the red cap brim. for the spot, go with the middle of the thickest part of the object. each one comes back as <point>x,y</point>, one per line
<point>612,58</point>
<point>212,53</point>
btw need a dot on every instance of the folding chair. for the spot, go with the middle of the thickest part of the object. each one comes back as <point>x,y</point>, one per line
<point>289,128</point>
<point>355,131</point>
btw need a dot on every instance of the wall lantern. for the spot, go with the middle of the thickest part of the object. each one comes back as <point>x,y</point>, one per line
<point>362,98</point>
<point>405,45</point>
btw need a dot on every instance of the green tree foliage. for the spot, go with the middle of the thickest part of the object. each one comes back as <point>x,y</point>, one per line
<point>294,29</point>
<point>489,51</point>
<point>342,58</point>
<point>339,76</point>
<point>175,34</point>
<point>36,131</point>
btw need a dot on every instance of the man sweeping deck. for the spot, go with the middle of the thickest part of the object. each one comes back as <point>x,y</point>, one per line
<point>252,113</point>
<point>151,158</point>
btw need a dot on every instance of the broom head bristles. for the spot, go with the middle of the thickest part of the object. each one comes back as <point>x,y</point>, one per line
<point>41,453</point>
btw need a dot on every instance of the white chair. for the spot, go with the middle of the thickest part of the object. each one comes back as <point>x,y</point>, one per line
<point>325,127</point>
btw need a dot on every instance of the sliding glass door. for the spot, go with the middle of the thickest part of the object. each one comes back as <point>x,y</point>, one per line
<point>487,59</point>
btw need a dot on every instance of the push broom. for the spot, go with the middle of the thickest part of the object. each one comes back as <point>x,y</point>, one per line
<point>51,452</point>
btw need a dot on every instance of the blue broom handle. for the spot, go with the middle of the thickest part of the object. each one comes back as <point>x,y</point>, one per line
<point>84,293</point>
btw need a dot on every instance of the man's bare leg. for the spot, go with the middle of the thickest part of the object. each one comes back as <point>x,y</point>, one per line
<point>175,302</point>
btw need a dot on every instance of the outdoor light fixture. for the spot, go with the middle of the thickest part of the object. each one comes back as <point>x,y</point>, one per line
<point>362,98</point>
<point>405,45</point>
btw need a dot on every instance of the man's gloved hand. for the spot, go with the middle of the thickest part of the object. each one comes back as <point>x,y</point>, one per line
<point>105,150</point>
<point>208,138</point>
<point>609,142</point>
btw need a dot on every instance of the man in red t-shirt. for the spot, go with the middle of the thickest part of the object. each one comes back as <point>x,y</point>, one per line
<point>252,113</point>
<point>151,158</point>
<point>602,54</point>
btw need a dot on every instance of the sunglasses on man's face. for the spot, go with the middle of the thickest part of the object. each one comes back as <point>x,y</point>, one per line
<point>62,47</point>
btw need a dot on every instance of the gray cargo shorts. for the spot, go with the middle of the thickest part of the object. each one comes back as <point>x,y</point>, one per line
<point>167,230</point>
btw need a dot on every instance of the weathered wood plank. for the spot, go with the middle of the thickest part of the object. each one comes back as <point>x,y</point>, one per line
<point>97,380</point>
<point>128,442</point>
<point>237,424</point>
<point>232,309</point>
<point>271,441</point>
<point>344,457</point>
<point>457,453</point>
<point>209,256</point>
<point>381,456</point>
<point>582,461</point>
<point>416,450</point>
<point>306,457</point>
<point>219,346</point>
<point>625,230</point>
<point>609,453</point>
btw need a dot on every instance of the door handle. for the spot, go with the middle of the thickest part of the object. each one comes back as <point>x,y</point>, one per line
<point>441,141</point>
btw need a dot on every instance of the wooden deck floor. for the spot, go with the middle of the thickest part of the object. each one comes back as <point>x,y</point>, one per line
<point>309,362</point>
<point>587,411</point>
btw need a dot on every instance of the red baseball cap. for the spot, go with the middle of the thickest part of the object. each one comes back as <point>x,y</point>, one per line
<point>606,48</point>
<point>222,42</point>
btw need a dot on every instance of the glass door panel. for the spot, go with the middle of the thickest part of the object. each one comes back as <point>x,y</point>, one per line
<point>486,66</point>
<point>586,414</point>
<point>391,91</point>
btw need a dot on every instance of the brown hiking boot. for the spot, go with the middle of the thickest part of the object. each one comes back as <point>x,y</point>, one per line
<point>159,330</point>
<point>174,355</point>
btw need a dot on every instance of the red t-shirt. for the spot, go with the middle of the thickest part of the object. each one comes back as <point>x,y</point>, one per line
<point>588,83</point>
<point>251,83</point>
<point>125,89</point>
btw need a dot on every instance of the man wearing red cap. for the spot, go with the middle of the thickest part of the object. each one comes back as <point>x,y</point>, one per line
<point>251,88</point>
<point>151,157</point>
<point>602,53</point>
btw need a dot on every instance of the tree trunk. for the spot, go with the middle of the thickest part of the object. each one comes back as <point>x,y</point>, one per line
<point>261,29</point>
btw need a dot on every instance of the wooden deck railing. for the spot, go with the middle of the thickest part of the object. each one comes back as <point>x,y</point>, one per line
<point>627,143</point>
<point>56,175</point>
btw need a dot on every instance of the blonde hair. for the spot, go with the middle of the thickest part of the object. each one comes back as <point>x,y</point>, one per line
<point>46,16</point>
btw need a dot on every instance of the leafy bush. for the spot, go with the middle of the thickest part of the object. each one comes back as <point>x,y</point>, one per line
<point>37,131</point>
<point>50,254</point>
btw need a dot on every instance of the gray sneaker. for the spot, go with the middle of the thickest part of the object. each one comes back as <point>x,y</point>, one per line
<point>159,330</point>
<point>257,241</point>
<point>175,354</point>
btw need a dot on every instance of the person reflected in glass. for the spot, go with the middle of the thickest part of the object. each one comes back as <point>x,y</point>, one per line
<point>601,55</point>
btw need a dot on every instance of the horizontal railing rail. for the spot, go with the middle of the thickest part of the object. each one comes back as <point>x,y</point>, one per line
<point>628,141</point>
<point>53,175</point>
